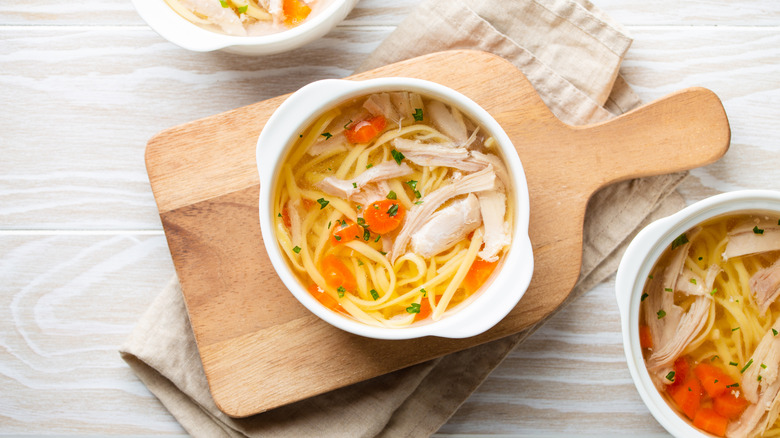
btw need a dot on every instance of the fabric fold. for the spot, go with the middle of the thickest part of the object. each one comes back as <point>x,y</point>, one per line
<point>571,53</point>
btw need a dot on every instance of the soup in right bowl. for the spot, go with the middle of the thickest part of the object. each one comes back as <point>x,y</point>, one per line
<point>710,324</point>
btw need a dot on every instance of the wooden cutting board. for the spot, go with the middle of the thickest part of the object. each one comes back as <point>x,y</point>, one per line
<point>261,349</point>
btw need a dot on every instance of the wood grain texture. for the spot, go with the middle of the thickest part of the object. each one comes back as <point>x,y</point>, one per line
<point>204,179</point>
<point>86,84</point>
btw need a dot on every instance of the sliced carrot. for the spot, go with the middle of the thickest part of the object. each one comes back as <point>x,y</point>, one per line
<point>478,274</point>
<point>710,421</point>
<point>425,308</point>
<point>681,370</point>
<point>645,337</point>
<point>324,298</point>
<point>295,11</point>
<point>365,130</point>
<point>308,204</point>
<point>687,396</point>
<point>286,217</point>
<point>729,405</point>
<point>345,231</point>
<point>384,215</point>
<point>713,379</point>
<point>337,274</point>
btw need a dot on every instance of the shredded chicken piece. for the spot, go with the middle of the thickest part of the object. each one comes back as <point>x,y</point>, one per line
<point>765,285</point>
<point>425,154</point>
<point>335,143</point>
<point>493,207</point>
<point>275,8</point>
<point>295,222</point>
<point>763,393</point>
<point>447,227</point>
<point>225,18</point>
<point>371,193</point>
<point>346,188</point>
<point>419,214</point>
<point>498,166</point>
<point>673,329</point>
<point>746,239</point>
<point>380,105</point>
<point>449,122</point>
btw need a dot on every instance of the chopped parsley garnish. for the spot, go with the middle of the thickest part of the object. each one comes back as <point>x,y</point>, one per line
<point>650,276</point>
<point>681,240</point>
<point>661,313</point>
<point>644,296</point>
<point>763,365</point>
<point>774,332</point>
<point>369,165</point>
<point>377,238</point>
<point>412,184</point>
<point>337,237</point>
<point>778,222</point>
<point>734,364</point>
<point>418,202</point>
<point>714,291</point>
<point>418,115</point>
<point>693,280</point>
<point>354,185</point>
<point>327,135</point>
<point>359,207</point>
<point>735,329</point>
<point>366,235</point>
<point>701,258</point>
<point>393,210</point>
<point>715,381</point>
<point>242,9</point>
<point>297,249</point>
<point>392,195</point>
<point>735,385</point>
<point>382,252</point>
<point>413,308</point>
<point>424,292</point>
<point>750,362</point>
<point>670,376</point>
<point>362,222</point>
<point>346,126</point>
<point>329,224</point>
<point>341,291</point>
<point>397,156</point>
<point>224,3</point>
<point>279,215</point>
<point>714,357</point>
<point>669,289</point>
<point>759,377</point>
<point>374,294</point>
<point>323,203</point>
<point>360,262</point>
<point>758,230</point>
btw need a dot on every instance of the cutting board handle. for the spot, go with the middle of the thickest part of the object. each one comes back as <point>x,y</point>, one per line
<point>681,131</point>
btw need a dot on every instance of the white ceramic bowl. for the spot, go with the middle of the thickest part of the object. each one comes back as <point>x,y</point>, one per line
<point>176,29</point>
<point>301,109</point>
<point>636,265</point>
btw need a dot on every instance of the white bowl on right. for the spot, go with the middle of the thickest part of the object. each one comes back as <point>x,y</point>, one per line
<point>635,266</point>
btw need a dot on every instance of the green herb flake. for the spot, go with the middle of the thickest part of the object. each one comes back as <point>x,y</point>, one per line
<point>397,156</point>
<point>758,377</point>
<point>360,262</point>
<point>329,224</point>
<point>341,291</point>
<point>661,313</point>
<point>734,364</point>
<point>418,203</point>
<point>297,250</point>
<point>327,135</point>
<point>242,9</point>
<point>701,258</point>
<point>424,292</point>
<point>362,222</point>
<point>337,237</point>
<point>418,114</point>
<point>382,252</point>
<point>323,203</point>
<point>650,277</point>
<point>354,185</point>
<point>735,329</point>
<point>747,365</point>
<point>369,165</point>
<point>366,235</point>
<point>715,381</point>
<point>763,365</point>
<point>412,184</point>
<point>644,296</point>
<point>669,289</point>
<point>413,308</point>
<point>670,376</point>
<point>693,280</point>
<point>393,210</point>
<point>377,238</point>
<point>374,294</point>
<point>346,126</point>
<point>359,207</point>
<point>774,332</point>
<point>735,385</point>
<point>681,240</point>
<point>224,3</point>
<point>279,215</point>
<point>714,291</point>
<point>714,357</point>
<point>392,195</point>
<point>757,230</point>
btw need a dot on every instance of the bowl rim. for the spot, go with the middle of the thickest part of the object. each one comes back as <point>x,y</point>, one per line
<point>185,34</point>
<point>464,321</point>
<point>637,262</point>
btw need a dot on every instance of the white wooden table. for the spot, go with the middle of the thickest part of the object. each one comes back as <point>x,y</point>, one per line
<point>84,85</point>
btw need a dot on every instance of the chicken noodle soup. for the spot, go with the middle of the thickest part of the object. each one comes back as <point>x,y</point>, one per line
<point>247,17</point>
<point>710,325</point>
<point>392,209</point>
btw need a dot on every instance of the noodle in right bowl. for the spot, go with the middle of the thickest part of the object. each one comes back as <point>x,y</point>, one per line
<point>710,324</point>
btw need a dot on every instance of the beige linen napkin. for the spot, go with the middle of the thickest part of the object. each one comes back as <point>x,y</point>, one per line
<point>571,53</point>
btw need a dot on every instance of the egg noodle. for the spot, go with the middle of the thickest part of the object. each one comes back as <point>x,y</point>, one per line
<point>386,293</point>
